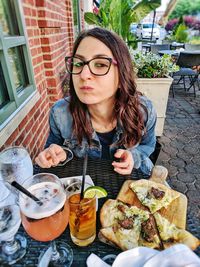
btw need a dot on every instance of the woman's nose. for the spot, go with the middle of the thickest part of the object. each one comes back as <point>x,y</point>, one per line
<point>85,73</point>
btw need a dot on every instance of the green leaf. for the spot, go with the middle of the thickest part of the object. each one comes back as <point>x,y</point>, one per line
<point>143,8</point>
<point>91,18</point>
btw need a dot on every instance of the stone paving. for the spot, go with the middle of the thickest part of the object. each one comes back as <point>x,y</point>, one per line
<point>180,152</point>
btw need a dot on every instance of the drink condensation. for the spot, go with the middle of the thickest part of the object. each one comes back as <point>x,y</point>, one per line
<point>15,165</point>
<point>9,222</point>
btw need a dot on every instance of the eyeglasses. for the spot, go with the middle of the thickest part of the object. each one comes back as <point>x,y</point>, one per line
<point>98,66</point>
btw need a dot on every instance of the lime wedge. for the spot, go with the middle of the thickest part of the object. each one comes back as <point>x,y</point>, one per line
<point>92,190</point>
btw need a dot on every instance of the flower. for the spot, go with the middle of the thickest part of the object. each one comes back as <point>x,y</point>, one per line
<point>153,66</point>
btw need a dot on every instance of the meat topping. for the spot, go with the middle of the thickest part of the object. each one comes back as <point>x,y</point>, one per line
<point>148,229</point>
<point>158,194</point>
<point>127,223</point>
<point>121,208</point>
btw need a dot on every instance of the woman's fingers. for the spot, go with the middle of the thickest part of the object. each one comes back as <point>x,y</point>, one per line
<point>126,163</point>
<point>51,156</point>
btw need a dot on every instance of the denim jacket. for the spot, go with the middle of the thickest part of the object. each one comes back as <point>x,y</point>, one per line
<point>61,133</point>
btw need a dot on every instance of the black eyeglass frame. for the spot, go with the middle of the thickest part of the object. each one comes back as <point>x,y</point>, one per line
<point>111,60</point>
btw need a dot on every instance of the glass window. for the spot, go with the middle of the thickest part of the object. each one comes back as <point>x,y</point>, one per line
<point>16,75</point>
<point>8,18</point>
<point>4,98</point>
<point>18,69</point>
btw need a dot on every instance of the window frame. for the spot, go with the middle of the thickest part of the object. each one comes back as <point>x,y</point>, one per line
<point>6,42</point>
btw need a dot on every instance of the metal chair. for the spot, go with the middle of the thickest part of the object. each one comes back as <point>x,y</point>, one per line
<point>154,156</point>
<point>187,61</point>
<point>157,47</point>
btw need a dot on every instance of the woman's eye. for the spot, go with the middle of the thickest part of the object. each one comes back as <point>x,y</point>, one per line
<point>77,64</point>
<point>100,65</point>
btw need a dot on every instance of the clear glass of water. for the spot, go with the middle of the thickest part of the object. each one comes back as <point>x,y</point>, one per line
<point>13,246</point>
<point>15,165</point>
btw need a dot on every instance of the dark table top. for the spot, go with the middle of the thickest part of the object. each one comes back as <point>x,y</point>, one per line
<point>102,174</point>
<point>169,52</point>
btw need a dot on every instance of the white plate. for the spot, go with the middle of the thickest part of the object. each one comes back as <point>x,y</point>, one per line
<point>69,180</point>
<point>66,180</point>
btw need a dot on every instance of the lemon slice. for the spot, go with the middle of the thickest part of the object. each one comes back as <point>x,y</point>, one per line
<point>92,190</point>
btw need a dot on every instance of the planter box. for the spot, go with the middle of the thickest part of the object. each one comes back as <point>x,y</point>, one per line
<point>157,90</point>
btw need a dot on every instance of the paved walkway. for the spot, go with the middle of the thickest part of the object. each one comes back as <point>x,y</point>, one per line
<point>181,148</point>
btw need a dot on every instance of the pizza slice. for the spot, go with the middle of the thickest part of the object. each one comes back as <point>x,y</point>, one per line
<point>171,235</point>
<point>122,225</point>
<point>153,195</point>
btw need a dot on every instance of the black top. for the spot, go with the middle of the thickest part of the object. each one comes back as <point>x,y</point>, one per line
<point>106,140</point>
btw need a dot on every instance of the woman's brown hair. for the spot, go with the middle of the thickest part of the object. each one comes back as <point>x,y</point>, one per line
<point>127,107</point>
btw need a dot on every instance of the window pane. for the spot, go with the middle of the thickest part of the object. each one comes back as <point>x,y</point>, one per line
<point>17,61</point>
<point>4,98</point>
<point>8,18</point>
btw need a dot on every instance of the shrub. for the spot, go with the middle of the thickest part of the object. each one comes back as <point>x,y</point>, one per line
<point>153,66</point>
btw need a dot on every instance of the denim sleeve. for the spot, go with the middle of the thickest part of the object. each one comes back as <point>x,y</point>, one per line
<point>143,150</point>
<point>54,136</point>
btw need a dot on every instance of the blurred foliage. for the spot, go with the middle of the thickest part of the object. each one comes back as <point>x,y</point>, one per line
<point>189,21</point>
<point>117,16</point>
<point>153,66</point>
<point>195,40</point>
<point>185,7</point>
<point>181,35</point>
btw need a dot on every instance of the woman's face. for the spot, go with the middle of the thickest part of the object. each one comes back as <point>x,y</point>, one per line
<point>89,88</point>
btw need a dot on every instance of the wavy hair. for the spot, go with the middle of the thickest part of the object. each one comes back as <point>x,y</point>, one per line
<point>127,106</point>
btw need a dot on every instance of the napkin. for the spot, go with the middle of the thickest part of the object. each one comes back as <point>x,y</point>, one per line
<point>94,260</point>
<point>177,256</point>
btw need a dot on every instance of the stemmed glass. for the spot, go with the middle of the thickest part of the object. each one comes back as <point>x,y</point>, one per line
<point>15,165</point>
<point>13,246</point>
<point>47,221</point>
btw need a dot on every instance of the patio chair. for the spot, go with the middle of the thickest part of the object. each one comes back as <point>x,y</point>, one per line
<point>154,156</point>
<point>187,61</point>
<point>157,47</point>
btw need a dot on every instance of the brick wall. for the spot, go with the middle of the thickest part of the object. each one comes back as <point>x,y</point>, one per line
<point>49,26</point>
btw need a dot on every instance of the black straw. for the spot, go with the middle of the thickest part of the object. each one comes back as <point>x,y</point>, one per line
<point>84,173</point>
<point>26,192</point>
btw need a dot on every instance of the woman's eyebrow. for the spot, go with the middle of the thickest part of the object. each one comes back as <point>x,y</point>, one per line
<point>97,55</point>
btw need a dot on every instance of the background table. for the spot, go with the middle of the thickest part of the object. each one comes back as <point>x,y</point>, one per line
<point>103,175</point>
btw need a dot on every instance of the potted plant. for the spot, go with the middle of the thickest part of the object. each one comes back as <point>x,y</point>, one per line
<point>154,81</point>
<point>117,15</point>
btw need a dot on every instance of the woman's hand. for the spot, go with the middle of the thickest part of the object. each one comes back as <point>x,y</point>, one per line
<point>51,156</point>
<point>126,163</point>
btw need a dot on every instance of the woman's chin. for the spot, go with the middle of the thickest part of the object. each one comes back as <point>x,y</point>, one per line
<point>88,100</point>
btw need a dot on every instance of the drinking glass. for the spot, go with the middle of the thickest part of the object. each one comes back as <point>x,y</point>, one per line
<point>13,246</point>
<point>82,218</point>
<point>48,221</point>
<point>15,165</point>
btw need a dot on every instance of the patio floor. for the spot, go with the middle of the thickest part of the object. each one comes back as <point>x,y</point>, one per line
<point>180,152</point>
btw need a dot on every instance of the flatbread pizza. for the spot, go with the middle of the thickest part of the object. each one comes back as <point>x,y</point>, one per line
<point>128,227</point>
<point>153,195</point>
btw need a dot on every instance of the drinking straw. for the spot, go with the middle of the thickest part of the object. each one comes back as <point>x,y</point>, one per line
<point>84,172</point>
<point>26,192</point>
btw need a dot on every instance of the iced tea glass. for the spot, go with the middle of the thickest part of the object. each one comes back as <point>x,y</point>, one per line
<point>48,221</point>
<point>82,218</point>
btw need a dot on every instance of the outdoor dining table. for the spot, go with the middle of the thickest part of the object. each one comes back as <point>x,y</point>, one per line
<point>102,174</point>
<point>174,53</point>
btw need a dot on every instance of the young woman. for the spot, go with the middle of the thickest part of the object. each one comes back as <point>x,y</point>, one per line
<point>104,115</point>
